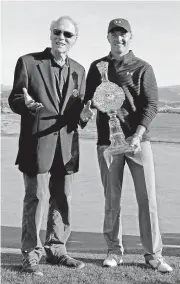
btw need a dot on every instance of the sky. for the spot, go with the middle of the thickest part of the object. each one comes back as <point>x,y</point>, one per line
<point>155,26</point>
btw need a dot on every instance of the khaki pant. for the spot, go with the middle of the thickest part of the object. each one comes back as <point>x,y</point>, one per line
<point>142,169</point>
<point>58,225</point>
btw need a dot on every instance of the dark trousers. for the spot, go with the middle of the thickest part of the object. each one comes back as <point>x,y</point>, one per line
<point>58,225</point>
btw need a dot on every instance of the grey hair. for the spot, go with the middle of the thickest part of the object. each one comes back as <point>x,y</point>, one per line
<point>65,18</point>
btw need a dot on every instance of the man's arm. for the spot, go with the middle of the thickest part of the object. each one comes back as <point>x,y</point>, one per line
<point>73,115</point>
<point>19,100</point>
<point>92,82</point>
<point>16,98</point>
<point>91,85</point>
<point>82,123</point>
<point>150,109</point>
<point>150,93</point>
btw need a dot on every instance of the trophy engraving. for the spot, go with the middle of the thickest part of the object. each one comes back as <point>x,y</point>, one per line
<point>108,98</point>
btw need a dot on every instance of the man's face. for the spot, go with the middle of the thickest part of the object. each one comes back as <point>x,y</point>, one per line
<point>119,40</point>
<point>63,36</point>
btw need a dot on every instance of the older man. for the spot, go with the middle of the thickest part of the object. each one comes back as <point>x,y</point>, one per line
<point>136,78</point>
<point>47,92</point>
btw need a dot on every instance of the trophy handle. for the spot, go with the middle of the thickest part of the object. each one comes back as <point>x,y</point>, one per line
<point>104,77</point>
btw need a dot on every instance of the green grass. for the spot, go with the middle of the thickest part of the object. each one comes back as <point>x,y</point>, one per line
<point>134,271</point>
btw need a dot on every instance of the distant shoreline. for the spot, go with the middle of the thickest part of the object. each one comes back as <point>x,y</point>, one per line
<point>83,137</point>
<point>165,128</point>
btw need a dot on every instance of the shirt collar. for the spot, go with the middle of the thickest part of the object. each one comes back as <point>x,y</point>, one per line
<point>55,63</point>
<point>125,59</point>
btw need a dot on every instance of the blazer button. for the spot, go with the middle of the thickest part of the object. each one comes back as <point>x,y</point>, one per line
<point>55,133</point>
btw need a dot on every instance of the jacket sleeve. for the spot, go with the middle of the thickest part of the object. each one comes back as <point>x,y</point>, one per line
<point>83,86</point>
<point>73,114</point>
<point>92,82</point>
<point>16,98</point>
<point>150,93</point>
<point>81,123</point>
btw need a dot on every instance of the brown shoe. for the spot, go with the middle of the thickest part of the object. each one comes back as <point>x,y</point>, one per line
<point>66,260</point>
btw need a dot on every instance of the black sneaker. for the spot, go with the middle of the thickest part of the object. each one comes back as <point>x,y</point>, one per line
<point>65,260</point>
<point>31,266</point>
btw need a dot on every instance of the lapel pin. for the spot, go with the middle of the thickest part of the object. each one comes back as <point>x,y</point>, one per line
<point>129,73</point>
<point>75,93</point>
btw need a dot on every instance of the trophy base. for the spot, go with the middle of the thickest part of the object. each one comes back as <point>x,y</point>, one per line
<point>116,150</point>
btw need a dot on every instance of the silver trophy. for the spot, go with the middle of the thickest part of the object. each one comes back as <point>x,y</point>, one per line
<point>108,98</point>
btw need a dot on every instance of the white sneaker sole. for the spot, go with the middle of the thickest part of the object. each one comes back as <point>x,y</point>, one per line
<point>158,270</point>
<point>113,264</point>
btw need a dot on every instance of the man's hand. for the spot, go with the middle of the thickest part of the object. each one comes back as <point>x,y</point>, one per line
<point>30,103</point>
<point>87,112</point>
<point>135,142</point>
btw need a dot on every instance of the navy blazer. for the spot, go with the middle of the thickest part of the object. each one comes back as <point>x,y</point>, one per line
<point>39,132</point>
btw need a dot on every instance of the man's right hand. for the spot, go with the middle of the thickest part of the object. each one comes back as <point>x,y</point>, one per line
<point>87,112</point>
<point>30,103</point>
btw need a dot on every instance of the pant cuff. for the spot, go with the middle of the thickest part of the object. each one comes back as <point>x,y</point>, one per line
<point>149,256</point>
<point>32,254</point>
<point>55,250</point>
<point>115,251</point>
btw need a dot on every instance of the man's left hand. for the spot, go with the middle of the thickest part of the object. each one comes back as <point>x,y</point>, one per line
<point>87,112</point>
<point>135,142</point>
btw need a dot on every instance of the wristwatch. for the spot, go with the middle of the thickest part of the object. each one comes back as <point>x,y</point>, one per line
<point>138,135</point>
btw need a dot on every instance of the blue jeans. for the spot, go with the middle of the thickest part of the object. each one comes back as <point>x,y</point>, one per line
<point>58,225</point>
<point>142,169</point>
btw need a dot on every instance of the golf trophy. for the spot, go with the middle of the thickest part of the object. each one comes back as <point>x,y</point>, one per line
<point>108,98</point>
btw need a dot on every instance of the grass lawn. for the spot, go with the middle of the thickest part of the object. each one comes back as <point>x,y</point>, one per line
<point>133,271</point>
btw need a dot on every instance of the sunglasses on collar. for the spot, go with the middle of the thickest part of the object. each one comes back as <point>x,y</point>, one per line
<point>66,34</point>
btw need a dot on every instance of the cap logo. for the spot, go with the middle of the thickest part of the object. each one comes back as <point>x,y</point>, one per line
<point>117,22</point>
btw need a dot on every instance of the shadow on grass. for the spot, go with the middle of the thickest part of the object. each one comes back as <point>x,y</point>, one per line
<point>11,262</point>
<point>88,242</point>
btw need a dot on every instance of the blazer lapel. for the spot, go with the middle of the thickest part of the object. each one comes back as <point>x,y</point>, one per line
<point>71,84</point>
<point>49,81</point>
